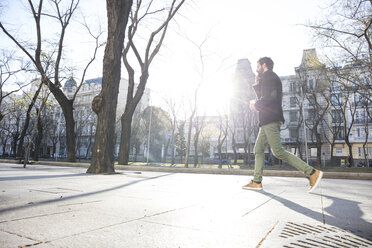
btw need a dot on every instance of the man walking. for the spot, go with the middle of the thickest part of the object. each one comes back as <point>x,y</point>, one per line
<point>269,93</point>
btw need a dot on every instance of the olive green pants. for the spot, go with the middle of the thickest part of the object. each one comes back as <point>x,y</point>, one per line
<point>270,134</point>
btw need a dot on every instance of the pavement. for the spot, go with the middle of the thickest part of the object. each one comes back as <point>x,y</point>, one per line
<point>60,206</point>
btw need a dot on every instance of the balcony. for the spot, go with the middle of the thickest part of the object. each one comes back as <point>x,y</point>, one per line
<point>360,139</point>
<point>288,140</point>
<point>362,121</point>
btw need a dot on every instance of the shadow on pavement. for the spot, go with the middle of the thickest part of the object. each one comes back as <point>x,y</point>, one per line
<point>339,214</point>
<point>41,177</point>
<point>5,210</point>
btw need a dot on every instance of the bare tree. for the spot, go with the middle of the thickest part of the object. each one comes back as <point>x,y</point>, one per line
<point>367,117</point>
<point>52,132</point>
<point>27,120</point>
<point>84,122</point>
<point>180,139</point>
<point>160,126</point>
<point>49,63</point>
<point>205,143</point>
<point>152,48</point>
<point>7,74</point>
<point>189,131</point>
<point>347,34</point>
<point>348,113</point>
<point>173,108</point>
<point>199,124</point>
<point>138,133</point>
<point>104,105</point>
<point>335,125</point>
<point>4,135</point>
<point>223,127</point>
<point>16,116</point>
<point>37,125</point>
<point>295,127</point>
<point>250,130</point>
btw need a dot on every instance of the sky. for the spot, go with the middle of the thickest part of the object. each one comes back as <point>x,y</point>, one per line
<point>230,30</point>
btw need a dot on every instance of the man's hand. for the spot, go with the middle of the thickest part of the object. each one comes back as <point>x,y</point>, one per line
<point>252,105</point>
<point>257,79</point>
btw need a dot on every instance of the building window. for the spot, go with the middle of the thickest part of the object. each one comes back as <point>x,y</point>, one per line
<point>336,116</point>
<point>312,101</point>
<point>292,87</point>
<point>293,116</point>
<point>368,82</point>
<point>293,101</point>
<point>311,114</point>
<point>339,151</point>
<point>338,132</point>
<point>336,99</point>
<point>360,152</point>
<point>311,84</point>
<point>336,86</point>
<point>358,100</point>
<point>360,117</point>
<point>358,132</point>
<point>293,133</point>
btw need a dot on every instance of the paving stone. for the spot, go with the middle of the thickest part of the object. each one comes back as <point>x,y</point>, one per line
<point>50,206</point>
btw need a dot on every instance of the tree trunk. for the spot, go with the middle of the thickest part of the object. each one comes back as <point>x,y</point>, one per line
<point>350,158</point>
<point>219,148</point>
<point>332,157</point>
<point>126,127</point>
<point>196,157</point>
<point>105,104</point>
<point>172,147</point>
<point>15,139</point>
<point>318,150</point>
<point>39,138</point>
<point>188,142</point>
<point>4,147</point>
<point>235,152</point>
<point>68,113</point>
<point>166,151</point>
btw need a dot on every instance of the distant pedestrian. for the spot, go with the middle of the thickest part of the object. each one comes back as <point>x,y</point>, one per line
<point>268,88</point>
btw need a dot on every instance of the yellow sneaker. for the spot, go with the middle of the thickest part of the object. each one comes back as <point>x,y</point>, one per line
<point>253,186</point>
<point>315,179</point>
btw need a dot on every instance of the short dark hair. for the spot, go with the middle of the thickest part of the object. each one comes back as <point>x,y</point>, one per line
<point>268,61</point>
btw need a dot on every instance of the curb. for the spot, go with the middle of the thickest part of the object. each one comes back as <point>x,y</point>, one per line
<point>243,172</point>
<point>273,173</point>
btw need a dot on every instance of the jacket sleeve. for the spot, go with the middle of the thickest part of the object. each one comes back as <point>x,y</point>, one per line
<point>270,95</point>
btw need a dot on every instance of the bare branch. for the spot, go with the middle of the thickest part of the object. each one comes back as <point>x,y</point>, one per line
<point>96,37</point>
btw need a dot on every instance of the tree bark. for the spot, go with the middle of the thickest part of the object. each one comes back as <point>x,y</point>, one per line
<point>188,142</point>
<point>103,149</point>
<point>196,152</point>
<point>126,118</point>
<point>126,127</point>
<point>173,144</point>
<point>68,112</point>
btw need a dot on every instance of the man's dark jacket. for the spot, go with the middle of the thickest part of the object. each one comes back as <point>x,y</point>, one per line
<point>269,94</point>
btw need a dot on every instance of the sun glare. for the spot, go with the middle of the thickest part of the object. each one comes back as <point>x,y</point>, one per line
<point>214,97</point>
